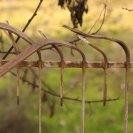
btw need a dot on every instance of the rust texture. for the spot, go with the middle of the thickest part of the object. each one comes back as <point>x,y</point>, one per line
<point>70,64</point>
<point>127,65</point>
<point>36,47</point>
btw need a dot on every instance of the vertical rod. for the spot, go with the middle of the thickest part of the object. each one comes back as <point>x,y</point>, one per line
<point>126,100</point>
<point>83,100</point>
<point>40,100</point>
<point>61,87</point>
<point>18,86</point>
<point>105,87</point>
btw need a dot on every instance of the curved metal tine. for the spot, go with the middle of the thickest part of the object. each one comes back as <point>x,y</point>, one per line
<point>7,27</point>
<point>11,29</point>
<point>62,62</point>
<point>39,92</point>
<point>32,49</point>
<point>11,37</point>
<point>35,47</point>
<point>18,72</point>
<point>40,98</point>
<point>105,66</point>
<point>83,97</point>
<point>83,81</point>
<point>17,32</point>
<point>127,66</point>
<point>83,86</point>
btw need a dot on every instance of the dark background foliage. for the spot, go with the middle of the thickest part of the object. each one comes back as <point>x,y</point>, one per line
<point>77,8</point>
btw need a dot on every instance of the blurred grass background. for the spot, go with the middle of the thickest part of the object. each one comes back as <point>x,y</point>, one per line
<point>66,119</point>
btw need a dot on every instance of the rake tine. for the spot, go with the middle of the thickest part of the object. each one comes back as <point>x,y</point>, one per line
<point>105,66</point>
<point>127,66</point>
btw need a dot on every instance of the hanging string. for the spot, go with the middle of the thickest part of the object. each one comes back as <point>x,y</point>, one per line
<point>40,99</point>
<point>83,99</point>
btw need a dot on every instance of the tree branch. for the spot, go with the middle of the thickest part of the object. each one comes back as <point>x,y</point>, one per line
<point>25,27</point>
<point>130,10</point>
<point>65,98</point>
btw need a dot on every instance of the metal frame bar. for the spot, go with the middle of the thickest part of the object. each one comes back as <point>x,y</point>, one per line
<point>71,64</point>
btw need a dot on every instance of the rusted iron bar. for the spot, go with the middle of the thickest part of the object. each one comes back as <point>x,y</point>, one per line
<point>70,64</point>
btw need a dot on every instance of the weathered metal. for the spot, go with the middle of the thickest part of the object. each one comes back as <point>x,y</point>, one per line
<point>20,61</point>
<point>70,64</point>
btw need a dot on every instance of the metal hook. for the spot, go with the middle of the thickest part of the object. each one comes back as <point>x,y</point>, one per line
<point>17,32</point>
<point>83,95</point>
<point>105,66</point>
<point>127,66</point>
<point>39,93</point>
<point>62,62</point>
<point>83,82</point>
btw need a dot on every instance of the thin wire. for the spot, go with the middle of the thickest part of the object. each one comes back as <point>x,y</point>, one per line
<point>96,21</point>
<point>103,20</point>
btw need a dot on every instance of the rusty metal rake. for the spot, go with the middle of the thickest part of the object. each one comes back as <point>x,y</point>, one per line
<point>127,65</point>
<point>35,47</point>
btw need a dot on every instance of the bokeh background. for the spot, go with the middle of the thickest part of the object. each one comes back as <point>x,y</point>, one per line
<point>66,119</point>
